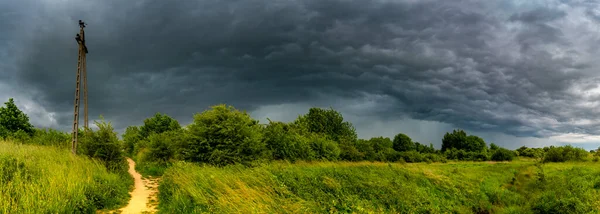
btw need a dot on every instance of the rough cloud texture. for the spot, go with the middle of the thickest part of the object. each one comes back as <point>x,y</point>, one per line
<point>521,69</point>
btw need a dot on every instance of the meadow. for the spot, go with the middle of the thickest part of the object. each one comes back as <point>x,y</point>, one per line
<point>521,186</point>
<point>226,162</point>
<point>48,179</point>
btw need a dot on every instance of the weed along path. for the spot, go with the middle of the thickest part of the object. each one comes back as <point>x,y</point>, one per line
<point>143,193</point>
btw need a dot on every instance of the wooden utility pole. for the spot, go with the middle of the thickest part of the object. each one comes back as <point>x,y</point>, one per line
<point>81,73</point>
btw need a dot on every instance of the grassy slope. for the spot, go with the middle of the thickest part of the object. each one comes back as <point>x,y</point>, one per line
<point>42,179</point>
<point>517,187</point>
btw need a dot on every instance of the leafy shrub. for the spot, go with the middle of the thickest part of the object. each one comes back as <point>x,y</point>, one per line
<point>502,154</point>
<point>51,137</point>
<point>103,145</point>
<point>411,156</point>
<point>223,135</point>
<point>324,148</point>
<point>162,147</point>
<point>130,138</point>
<point>285,143</point>
<point>564,153</point>
<point>157,124</point>
<point>349,151</point>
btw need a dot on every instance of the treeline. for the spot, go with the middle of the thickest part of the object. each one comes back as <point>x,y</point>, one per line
<point>224,135</point>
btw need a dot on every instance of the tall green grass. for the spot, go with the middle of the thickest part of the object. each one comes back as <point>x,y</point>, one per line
<point>45,179</point>
<point>460,187</point>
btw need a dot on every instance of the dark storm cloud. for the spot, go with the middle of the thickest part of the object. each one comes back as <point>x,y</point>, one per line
<point>485,66</point>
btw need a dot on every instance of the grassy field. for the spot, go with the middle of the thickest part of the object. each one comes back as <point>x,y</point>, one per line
<point>44,179</point>
<point>363,187</point>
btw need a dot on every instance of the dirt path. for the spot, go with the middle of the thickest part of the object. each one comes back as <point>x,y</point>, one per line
<point>143,196</point>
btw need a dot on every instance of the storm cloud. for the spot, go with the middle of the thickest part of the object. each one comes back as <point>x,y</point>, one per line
<point>525,70</point>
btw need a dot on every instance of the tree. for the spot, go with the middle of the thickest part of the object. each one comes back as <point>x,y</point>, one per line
<point>403,143</point>
<point>474,144</point>
<point>328,122</point>
<point>381,143</point>
<point>223,135</point>
<point>421,148</point>
<point>130,138</point>
<point>459,139</point>
<point>162,147</point>
<point>159,123</point>
<point>12,120</point>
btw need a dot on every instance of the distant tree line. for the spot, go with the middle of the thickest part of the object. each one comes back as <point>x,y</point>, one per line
<point>223,135</point>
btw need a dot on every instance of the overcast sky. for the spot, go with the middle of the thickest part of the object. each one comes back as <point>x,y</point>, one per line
<point>513,72</point>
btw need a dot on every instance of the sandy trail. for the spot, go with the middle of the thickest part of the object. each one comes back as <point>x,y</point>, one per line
<point>143,193</point>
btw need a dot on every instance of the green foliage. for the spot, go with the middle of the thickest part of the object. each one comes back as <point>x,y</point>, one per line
<point>573,190</point>
<point>130,138</point>
<point>349,151</point>
<point>494,146</point>
<point>381,143</point>
<point>285,143</point>
<point>223,135</point>
<point>403,143</point>
<point>324,148</point>
<point>424,149</point>
<point>162,147</point>
<point>502,154</point>
<point>456,154</point>
<point>12,120</point>
<point>44,179</point>
<point>328,122</point>
<point>458,139</point>
<point>103,145</point>
<point>158,124</point>
<point>530,152</point>
<point>51,137</point>
<point>564,153</point>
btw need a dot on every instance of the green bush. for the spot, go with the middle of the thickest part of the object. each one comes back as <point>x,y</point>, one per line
<point>412,156</point>
<point>130,138</point>
<point>161,147</point>
<point>157,124</point>
<point>224,135</point>
<point>285,143</point>
<point>564,153</point>
<point>103,145</point>
<point>349,152</point>
<point>502,154</point>
<point>324,148</point>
